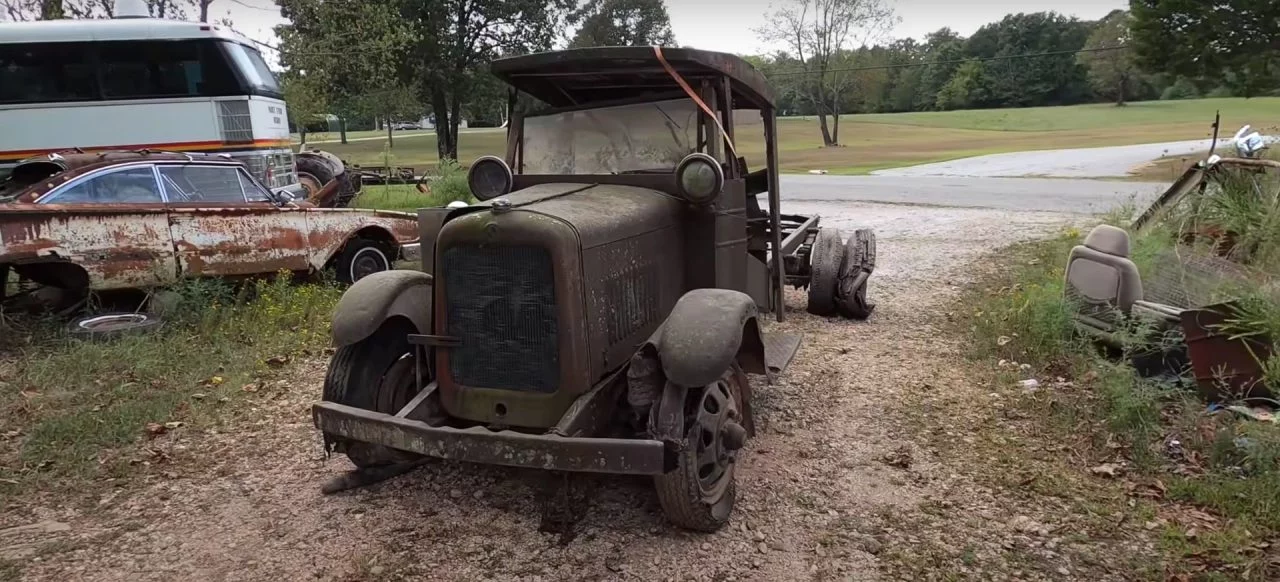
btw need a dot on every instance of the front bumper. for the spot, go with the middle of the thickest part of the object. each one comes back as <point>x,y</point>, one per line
<point>481,445</point>
<point>411,251</point>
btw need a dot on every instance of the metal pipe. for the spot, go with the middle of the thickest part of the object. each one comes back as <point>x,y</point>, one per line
<point>775,206</point>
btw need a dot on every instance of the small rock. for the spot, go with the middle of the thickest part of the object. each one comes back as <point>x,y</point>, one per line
<point>377,570</point>
<point>478,494</point>
<point>706,547</point>
<point>1064,571</point>
<point>763,548</point>
<point>871,545</point>
<point>455,493</point>
<point>758,536</point>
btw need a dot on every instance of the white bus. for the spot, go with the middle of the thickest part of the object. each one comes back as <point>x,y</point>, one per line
<point>140,83</point>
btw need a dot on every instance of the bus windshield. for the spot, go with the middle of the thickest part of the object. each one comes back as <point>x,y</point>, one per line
<point>251,64</point>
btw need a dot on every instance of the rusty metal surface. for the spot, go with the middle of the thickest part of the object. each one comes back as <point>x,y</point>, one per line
<point>577,76</point>
<point>481,445</point>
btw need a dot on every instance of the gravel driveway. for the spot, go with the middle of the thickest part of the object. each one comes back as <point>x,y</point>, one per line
<point>821,495</point>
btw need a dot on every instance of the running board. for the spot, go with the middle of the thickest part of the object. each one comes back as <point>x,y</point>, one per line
<point>779,350</point>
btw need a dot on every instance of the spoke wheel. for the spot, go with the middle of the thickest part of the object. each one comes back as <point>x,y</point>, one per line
<point>699,494</point>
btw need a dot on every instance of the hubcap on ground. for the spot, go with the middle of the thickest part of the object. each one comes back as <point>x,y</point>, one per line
<point>715,434</point>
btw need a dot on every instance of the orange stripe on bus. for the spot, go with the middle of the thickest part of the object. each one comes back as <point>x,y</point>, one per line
<point>172,146</point>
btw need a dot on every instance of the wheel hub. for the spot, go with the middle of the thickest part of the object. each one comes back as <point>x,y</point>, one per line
<point>717,436</point>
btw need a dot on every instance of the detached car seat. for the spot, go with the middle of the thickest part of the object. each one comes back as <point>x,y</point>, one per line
<point>1107,288</point>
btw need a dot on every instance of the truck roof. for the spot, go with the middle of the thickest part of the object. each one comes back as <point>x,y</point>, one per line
<point>113,29</point>
<point>583,76</point>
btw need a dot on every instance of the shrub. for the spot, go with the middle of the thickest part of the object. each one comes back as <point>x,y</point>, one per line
<point>1180,89</point>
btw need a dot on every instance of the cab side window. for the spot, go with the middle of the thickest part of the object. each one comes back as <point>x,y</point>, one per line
<point>136,185</point>
<point>205,184</point>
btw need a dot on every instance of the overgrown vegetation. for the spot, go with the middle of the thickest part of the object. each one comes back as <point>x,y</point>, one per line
<point>1214,464</point>
<point>449,184</point>
<point>73,411</point>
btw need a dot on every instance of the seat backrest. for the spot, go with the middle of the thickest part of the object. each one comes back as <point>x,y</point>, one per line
<point>1100,274</point>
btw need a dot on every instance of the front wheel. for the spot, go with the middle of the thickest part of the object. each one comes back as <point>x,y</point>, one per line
<point>378,373</point>
<point>699,494</point>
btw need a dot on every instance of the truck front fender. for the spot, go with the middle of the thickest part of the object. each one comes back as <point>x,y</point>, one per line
<point>707,330</point>
<point>378,297</point>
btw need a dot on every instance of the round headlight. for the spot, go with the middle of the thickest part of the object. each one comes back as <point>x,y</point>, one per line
<point>699,178</point>
<point>489,177</point>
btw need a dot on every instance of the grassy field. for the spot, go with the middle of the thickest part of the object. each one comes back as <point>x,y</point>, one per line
<point>872,142</point>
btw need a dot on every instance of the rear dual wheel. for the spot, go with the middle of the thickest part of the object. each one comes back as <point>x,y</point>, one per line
<point>839,271</point>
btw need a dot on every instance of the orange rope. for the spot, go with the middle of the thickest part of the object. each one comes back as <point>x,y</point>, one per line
<point>657,50</point>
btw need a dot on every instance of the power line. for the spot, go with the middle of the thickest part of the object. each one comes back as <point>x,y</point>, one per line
<point>954,61</point>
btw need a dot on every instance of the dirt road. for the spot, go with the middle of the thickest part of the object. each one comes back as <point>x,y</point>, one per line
<point>834,488</point>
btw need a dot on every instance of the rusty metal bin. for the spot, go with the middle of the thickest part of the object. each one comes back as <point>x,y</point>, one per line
<point>1224,368</point>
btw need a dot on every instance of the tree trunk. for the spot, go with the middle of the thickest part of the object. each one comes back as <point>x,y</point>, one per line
<point>1120,92</point>
<point>204,10</point>
<point>822,124</point>
<point>835,127</point>
<point>51,9</point>
<point>440,106</point>
<point>342,129</point>
<point>390,140</point>
<point>302,136</point>
<point>455,118</point>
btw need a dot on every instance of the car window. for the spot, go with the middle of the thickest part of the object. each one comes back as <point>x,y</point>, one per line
<point>252,191</point>
<point>129,186</point>
<point>210,184</point>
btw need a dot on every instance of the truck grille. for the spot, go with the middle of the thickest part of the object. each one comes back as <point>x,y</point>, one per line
<point>502,305</point>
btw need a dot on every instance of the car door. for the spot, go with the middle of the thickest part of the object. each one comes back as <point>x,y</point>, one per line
<point>225,224</point>
<point>113,223</point>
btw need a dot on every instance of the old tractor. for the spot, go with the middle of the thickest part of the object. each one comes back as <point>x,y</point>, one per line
<point>600,309</point>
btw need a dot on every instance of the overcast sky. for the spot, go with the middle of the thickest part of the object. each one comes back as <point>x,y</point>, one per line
<point>729,25</point>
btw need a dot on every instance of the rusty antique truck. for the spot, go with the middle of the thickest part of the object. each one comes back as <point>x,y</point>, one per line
<point>599,310</point>
<point>73,223</point>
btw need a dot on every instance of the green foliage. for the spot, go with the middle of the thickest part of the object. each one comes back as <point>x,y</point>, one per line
<point>1113,71</point>
<point>621,23</point>
<point>1183,88</point>
<point>1231,41</point>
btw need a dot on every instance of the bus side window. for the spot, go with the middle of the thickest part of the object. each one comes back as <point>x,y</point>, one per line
<point>46,73</point>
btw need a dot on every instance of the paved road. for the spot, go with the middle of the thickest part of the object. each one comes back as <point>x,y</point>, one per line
<point>1105,162</point>
<point>1021,194</point>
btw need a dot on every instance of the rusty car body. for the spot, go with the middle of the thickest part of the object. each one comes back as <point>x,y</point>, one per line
<point>598,311</point>
<point>82,222</point>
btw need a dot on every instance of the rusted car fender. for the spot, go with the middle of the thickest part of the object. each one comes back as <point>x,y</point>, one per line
<point>379,297</point>
<point>706,331</point>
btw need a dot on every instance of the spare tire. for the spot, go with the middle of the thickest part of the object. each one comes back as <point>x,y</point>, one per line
<point>105,326</point>
<point>825,259</point>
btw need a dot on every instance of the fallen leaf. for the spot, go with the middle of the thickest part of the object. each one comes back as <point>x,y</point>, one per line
<point>251,387</point>
<point>1109,470</point>
<point>198,396</point>
<point>172,425</point>
<point>1002,340</point>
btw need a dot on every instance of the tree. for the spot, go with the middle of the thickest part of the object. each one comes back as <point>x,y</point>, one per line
<point>817,33</point>
<point>304,99</point>
<point>1113,71</point>
<point>1010,79</point>
<point>53,9</point>
<point>348,49</point>
<point>1235,42</point>
<point>621,23</point>
<point>453,40</point>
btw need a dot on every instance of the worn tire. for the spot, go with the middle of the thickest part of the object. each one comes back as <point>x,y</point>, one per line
<point>355,378</point>
<point>824,271</point>
<point>323,174</point>
<point>362,257</point>
<point>679,491</point>
<point>859,257</point>
<point>107,326</point>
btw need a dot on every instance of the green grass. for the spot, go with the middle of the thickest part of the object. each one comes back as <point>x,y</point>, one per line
<point>879,141</point>
<point>1236,112</point>
<point>73,411</point>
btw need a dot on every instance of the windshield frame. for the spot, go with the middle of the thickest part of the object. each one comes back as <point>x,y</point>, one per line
<point>249,65</point>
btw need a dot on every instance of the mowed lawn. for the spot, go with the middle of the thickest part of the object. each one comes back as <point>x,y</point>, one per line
<point>871,142</point>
